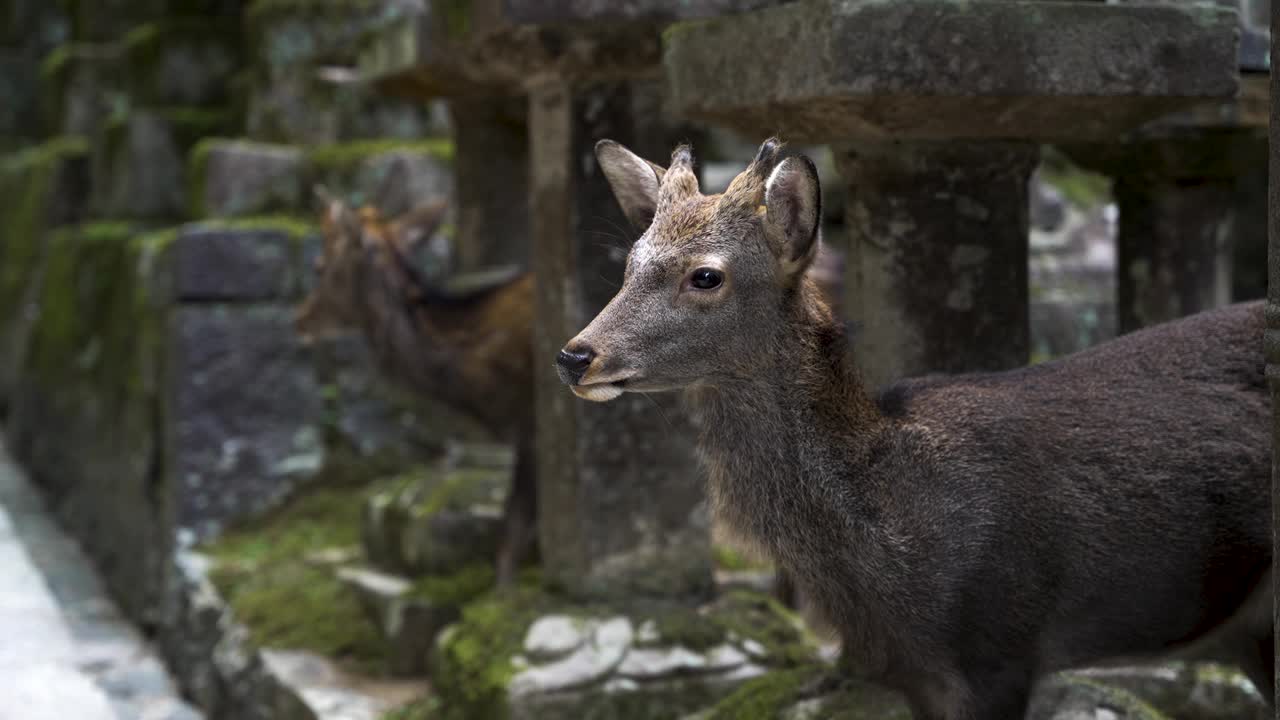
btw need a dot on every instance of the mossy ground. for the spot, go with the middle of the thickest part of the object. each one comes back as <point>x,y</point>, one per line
<point>287,600</point>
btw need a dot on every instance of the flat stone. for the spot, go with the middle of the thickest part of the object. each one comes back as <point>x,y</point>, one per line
<point>932,69</point>
<point>25,694</point>
<point>589,663</point>
<point>649,663</point>
<point>553,636</point>
<point>249,178</point>
<point>212,264</point>
<point>1064,698</point>
<point>1188,690</point>
<point>409,624</point>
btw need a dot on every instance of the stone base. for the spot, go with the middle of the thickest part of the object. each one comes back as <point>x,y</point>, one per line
<point>531,655</point>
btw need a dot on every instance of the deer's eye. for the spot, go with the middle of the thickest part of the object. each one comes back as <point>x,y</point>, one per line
<point>706,279</point>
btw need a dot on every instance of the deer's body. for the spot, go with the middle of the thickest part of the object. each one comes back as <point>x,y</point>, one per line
<point>473,351</point>
<point>964,535</point>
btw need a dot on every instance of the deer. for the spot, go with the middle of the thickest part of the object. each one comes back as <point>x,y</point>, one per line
<point>962,535</point>
<point>472,350</point>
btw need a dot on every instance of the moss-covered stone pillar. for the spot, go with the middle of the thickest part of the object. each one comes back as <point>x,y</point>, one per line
<point>937,266</point>
<point>491,172</point>
<point>621,505</point>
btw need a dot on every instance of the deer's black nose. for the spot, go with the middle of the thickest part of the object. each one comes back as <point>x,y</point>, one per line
<point>571,364</point>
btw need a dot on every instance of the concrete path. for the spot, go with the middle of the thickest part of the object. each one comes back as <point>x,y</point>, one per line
<point>66,653</point>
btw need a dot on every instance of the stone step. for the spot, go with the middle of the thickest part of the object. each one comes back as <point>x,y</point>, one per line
<point>80,86</point>
<point>408,614</point>
<point>437,521</point>
<point>232,178</point>
<point>189,62</point>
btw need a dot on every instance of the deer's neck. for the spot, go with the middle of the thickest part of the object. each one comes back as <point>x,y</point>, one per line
<point>784,448</point>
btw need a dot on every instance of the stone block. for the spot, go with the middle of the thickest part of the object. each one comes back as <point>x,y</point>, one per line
<point>235,178</point>
<point>85,410</point>
<point>19,93</point>
<point>392,176</point>
<point>81,88</point>
<point>1190,691</point>
<point>931,69</point>
<point>438,521</point>
<point>182,62</point>
<point>244,412</point>
<point>213,263</point>
<point>409,622</point>
<point>40,188</point>
<point>141,161</point>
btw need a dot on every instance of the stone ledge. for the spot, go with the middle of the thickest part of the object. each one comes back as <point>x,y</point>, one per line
<point>932,69</point>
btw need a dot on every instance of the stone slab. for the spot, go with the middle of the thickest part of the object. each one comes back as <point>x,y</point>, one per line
<point>932,69</point>
<point>238,178</point>
<point>212,264</point>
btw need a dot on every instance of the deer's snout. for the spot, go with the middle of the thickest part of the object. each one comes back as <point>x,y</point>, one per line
<point>572,364</point>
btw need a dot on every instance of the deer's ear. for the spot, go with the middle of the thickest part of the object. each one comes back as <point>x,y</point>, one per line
<point>793,211</point>
<point>633,179</point>
<point>418,224</point>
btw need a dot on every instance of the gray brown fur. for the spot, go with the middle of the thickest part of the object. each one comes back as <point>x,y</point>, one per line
<point>964,535</point>
<point>473,352</point>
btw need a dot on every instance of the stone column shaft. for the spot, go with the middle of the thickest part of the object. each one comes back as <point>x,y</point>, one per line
<point>621,499</point>
<point>1272,342</point>
<point>492,179</point>
<point>937,267</point>
<point>1173,249</point>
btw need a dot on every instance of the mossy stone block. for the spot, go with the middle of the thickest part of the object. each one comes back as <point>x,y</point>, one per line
<point>182,62</point>
<point>236,178</point>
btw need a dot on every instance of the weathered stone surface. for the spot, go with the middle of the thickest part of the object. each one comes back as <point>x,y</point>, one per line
<point>937,256</point>
<point>1189,691</point>
<point>40,188</point>
<point>608,525</point>
<point>222,264</point>
<point>492,183</point>
<point>441,521</point>
<point>183,62</point>
<point>235,178</point>
<point>410,623</point>
<point>80,85</point>
<point>1063,698</point>
<point>141,161</point>
<point>609,643</point>
<point>393,178</point>
<point>245,411</point>
<point>930,69</point>
<point>553,636</point>
<point>85,409</point>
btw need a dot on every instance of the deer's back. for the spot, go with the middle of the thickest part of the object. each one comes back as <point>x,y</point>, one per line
<point>1127,481</point>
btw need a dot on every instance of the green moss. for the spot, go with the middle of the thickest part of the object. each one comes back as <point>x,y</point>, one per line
<point>456,589</point>
<point>460,489</point>
<point>345,157</point>
<point>53,65</point>
<point>424,709</point>
<point>728,558</point>
<point>295,227</point>
<point>1080,187</point>
<point>474,664</point>
<point>1128,704</point>
<point>759,617</point>
<point>765,697</point>
<point>262,569</point>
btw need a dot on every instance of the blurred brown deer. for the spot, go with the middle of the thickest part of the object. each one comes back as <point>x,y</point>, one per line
<point>471,350</point>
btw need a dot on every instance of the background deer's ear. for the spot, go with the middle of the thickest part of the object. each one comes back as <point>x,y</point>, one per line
<point>418,225</point>
<point>793,211</point>
<point>633,179</point>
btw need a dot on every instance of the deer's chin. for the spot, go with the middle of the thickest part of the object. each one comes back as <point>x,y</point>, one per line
<point>598,392</point>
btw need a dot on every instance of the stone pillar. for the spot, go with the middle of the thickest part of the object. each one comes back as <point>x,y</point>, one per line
<point>492,182</point>
<point>937,267</point>
<point>621,503</point>
<point>1173,249</point>
<point>1272,343</point>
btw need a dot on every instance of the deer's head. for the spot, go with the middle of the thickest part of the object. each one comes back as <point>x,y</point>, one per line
<point>711,281</point>
<point>357,243</point>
